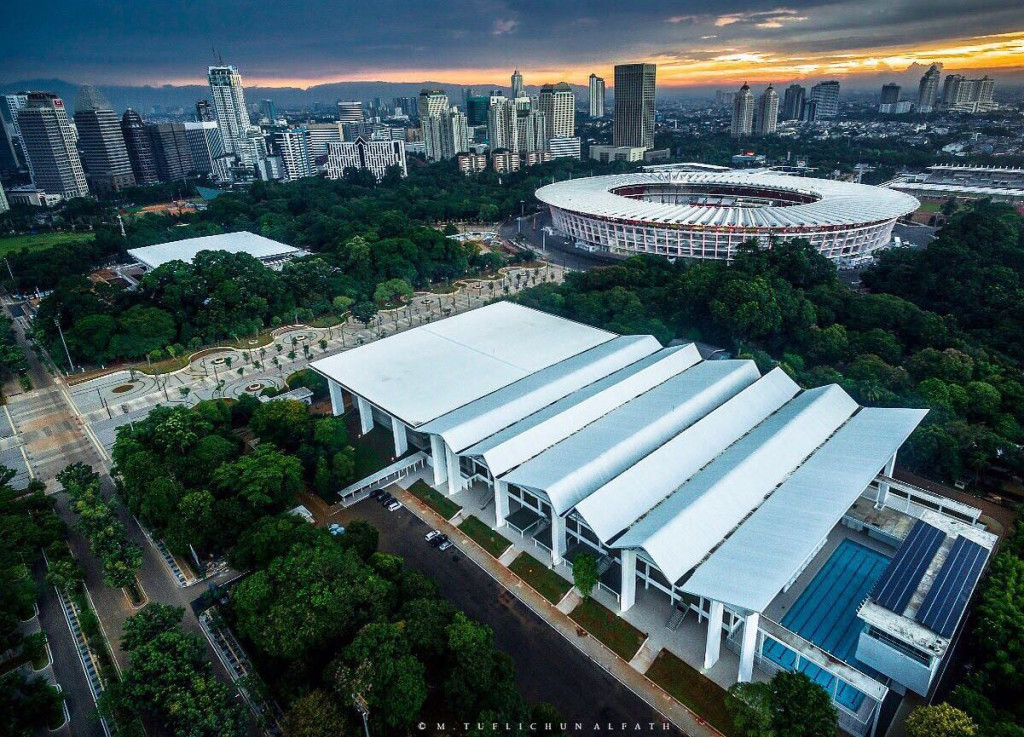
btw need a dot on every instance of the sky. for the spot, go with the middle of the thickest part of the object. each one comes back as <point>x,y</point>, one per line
<point>694,42</point>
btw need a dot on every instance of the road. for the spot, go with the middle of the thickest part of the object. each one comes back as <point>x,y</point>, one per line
<point>555,249</point>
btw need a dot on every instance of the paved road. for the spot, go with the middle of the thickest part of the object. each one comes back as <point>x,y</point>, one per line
<point>548,668</point>
<point>556,249</point>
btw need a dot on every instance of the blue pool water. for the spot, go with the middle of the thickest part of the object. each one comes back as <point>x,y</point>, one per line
<point>826,614</point>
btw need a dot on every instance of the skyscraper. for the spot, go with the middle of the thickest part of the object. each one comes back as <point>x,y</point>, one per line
<point>596,96</point>
<point>742,113</point>
<point>793,102</point>
<point>768,112</point>
<point>49,142</point>
<point>229,103</point>
<point>140,147</point>
<point>531,130</point>
<point>633,124</point>
<point>170,151</point>
<point>928,90</point>
<point>350,111</point>
<point>431,102</point>
<point>558,104</point>
<point>502,122</point>
<point>293,148</point>
<point>101,142</point>
<point>445,134</point>
<point>12,154</point>
<point>954,91</point>
<point>204,113</point>
<point>826,95</point>
<point>268,110</point>
<point>889,97</point>
<point>476,109</point>
<point>204,145</point>
<point>517,85</point>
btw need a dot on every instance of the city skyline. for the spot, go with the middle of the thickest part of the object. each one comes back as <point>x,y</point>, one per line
<point>477,43</point>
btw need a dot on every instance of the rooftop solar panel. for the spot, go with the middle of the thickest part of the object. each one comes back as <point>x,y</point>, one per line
<point>948,597</point>
<point>900,579</point>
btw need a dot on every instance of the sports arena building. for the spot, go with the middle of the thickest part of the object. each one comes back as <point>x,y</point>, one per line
<point>707,215</point>
<point>743,524</point>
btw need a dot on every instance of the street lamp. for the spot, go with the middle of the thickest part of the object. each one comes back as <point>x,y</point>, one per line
<point>364,711</point>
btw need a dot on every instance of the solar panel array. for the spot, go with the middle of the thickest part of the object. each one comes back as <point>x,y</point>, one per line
<point>899,581</point>
<point>948,597</point>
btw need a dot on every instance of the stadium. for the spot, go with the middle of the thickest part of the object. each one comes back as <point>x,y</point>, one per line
<point>707,215</point>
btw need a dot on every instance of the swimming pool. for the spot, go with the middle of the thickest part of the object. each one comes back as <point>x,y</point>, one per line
<point>826,614</point>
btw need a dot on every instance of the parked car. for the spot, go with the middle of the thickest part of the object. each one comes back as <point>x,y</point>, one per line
<point>434,542</point>
<point>386,499</point>
<point>394,505</point>
<point>377,493</point>
<point>445,544</point>
<point>336,529</point>
<point>431,535</point>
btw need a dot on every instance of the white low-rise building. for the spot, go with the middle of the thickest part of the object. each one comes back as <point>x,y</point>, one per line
<point>271,253</point>
<point>376,156</point>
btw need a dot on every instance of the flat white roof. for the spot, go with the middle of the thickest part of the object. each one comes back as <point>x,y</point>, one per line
<point>185,250</point>
<point>429,371</point>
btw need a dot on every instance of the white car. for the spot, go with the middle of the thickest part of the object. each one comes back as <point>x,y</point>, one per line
<point>336,529</point>
<point>445,545</point>
<point>394,506</point>
<point>431,535</point>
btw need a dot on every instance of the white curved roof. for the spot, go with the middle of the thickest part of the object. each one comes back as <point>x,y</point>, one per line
<point>837,203</point>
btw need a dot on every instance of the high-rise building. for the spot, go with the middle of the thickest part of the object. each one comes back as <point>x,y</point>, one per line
<point>809,111</point>
<point>140,148</point>
<point>446,134</point>
<point>518,90</point>
<point>502,122</point>
<point>406,106</point>
<point>723,99</point>
<point>322,134</point>
<point>633,124</point>
<point>229,104</point>
<point>49,144</point>
<point>170,151</point>
<point>350,111</point>
<point>983,91</point>
<point>531,130</point>
<point>793,102</point>
<point>742,113</point>
<point>101,142</point>
<point>768,112</point>
<point>596,96</point>
<point>967,95</point>
<point>558,104</point>
<point>826,95</point>
<point>431,102</point>
<point>204,112</point>
<point>375,156</point>
<point>204,145</point>
<point>268,110</point>
<point>12,153</point>
<point>292,146</point>
<point>889,98</point>
<point>476,109</point>
<point>928,90</point>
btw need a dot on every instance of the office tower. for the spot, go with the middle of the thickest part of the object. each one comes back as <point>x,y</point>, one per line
<point>476,109</point>
<point>928,90</point>
<point>12,154</point>
<point>350,111</point>
<point>518,90</point>
<point>792,103</point>
<point>322,134</point>
<point>204,112</point>
<point>809,111</point>
<point>375,156</point>
<point>502,124</point>
<point>531,130</point>
<point>596,96</point>
<point>558,104</point>
<point>826,95</point>
<point>889,98</point>
<point>407,105</point>
<point>205,145</point>
<point>768,112</point>
<point>101,143</point>
<point>445,134</point>
<point>742,113</point>
<point>268,110</point>
<point>633,124</point>
<point>431,102</point>
<point>49,144</point>
<point>170,151</point>
<point>140,148</point>
<point>229,104</point>
<point>292,146</point>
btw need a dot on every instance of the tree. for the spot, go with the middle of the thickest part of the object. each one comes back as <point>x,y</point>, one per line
<point>392,292</point>
<point>940,720</point>
<point>751,709</point>
<point>152,620</point>
<point>584,573</point>
<point>266,479</point>
<point>360,537</point>
<point>790,705</point>
<point>317,714</point>
<point>285,424</point>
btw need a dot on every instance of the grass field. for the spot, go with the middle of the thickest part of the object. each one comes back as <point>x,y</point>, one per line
<point>39,241</point>
<point>433,499</point>
<point>613,631</point>
<point>693,690</point>
<point>542,579</point>
<point>487,538</point>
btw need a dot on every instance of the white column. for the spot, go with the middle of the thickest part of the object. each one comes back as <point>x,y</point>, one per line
<point>401,437</point>
<point>337,398</point>
<point>713,647</point>
<point>558,544</point>
<point>365,415</point>
<point>627,586</point>
<point>439,459</point>
<point>748,648</point>
<point>883,489</point>
<point>500,502</point>
<point>454,472</point>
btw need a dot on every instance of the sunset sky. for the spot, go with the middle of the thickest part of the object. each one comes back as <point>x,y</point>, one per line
<point>479,41</point>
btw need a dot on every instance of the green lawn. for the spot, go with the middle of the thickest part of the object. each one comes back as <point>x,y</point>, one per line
<point>689,687</point>
<point>434,499</point>
<point>487,538</point>
<point>542,579</point>
<point>39,241</point>
<point>613,631</point>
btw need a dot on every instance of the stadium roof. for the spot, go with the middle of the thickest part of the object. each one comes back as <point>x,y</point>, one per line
<point>429,371</point>
<point>186,250</point>
<point>835,202</point>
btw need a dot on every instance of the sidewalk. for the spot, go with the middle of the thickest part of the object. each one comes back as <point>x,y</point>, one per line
<point>690,723</point>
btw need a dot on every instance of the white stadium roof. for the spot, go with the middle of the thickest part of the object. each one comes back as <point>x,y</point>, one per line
<point>256,246</point>
<point>835,202</point>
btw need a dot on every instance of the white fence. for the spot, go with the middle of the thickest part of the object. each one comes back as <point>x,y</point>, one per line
<point>397,470</point>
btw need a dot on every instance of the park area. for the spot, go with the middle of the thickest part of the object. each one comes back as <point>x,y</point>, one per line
<point>40,241</point>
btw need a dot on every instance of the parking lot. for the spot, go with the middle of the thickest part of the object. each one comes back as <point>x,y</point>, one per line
<point>548,668</point>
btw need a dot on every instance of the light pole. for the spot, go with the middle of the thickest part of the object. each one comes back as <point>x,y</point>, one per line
<point>71,365</point>
<point>360,703</point>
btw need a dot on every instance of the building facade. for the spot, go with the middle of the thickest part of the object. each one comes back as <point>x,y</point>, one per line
<point>472,163</point>
<point>446,134</point>
<point>742,123</point>
<point>596,97</point>
<point>229,105</point>
<point>793,102</point>
<point>767,112</point>
<point>49,143</point>
<point>293,147</point>
<point>826,97</point>
<point>633,124</point>
<point>101,142</point>
<point>928,90</point>
<point>565,148</point>
<point>140,148</point>
<point>558,104</point>
<point>171,151</point>
<point>350,111</point>
<point>889,98</point>
<point>502,124</point>
<point>609,154</point>
<point>374,156</point>
<point>531,130</point>
<point>204,144</point>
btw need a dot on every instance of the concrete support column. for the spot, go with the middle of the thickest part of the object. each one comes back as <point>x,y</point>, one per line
<point>401,437</point>
<point>558,543</point>
<point>748,647</point>
<point>713,646</point>
<point>883,489</point>
<point>455,480</point>
<point>627,586</point>
<point>439,459</point>
<point>500,502</point>
<point>337,398</point>
<point>365,415</point>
